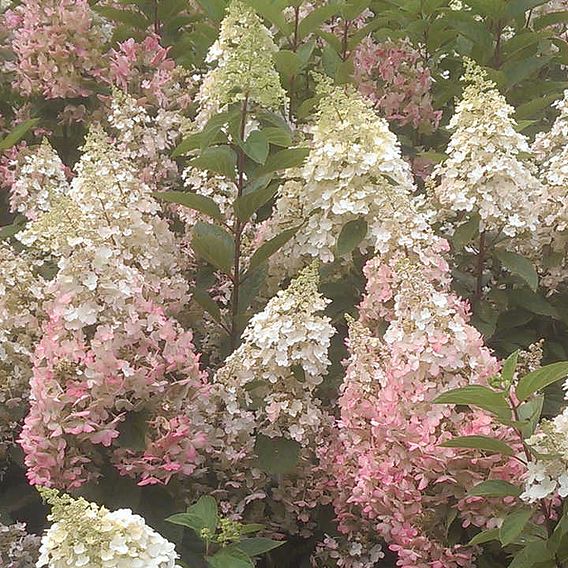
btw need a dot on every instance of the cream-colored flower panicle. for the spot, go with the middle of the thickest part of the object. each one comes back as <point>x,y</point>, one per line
<point>268,384</point>
<point>86,535</point>
<point>551,152</point>
<point>244,57</point>
<point>487,171</point>
<point>354,171</point>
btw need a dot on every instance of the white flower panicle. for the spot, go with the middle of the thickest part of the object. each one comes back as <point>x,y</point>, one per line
<point>354,171</point>
<point>551,152</point>
<point>244,57</point>
<point>268,384</point>
<point>486,171</point>
<point>86,535</point>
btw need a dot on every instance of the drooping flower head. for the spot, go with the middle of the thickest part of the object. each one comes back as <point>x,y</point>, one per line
<point>18,549</point>
<point>84,534</point>
<point>487,172</point>
<point>244,65</point>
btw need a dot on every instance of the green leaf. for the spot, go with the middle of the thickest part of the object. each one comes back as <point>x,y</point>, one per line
<point>230,558</point>
<point>477,395</point>
<point>276,455</point>
<point>193,201</point>
<point>532,554</point>
<point>8,231</point>
<point>466,232</point>
<point>541,378</point>
<point>532,302</point>
<point>187,520</point>
<point>207,303</point>
<point>288,63</point>
<point>210,134</point>
<point>288,158</point>
<point>214,245</point>
<point>484,536</point>
<point>513,526</point>
<point>495,488</point>
<point>529,415</point>
<point>128,17</point>
<point>215,9</point>
<point>278,136</point>
<point>491,445</point>
<point>517,71</point>
<point>219,159</point>
<point>519,265</point>
<point>250,528</point>
<point>315,18</point>
<point>272,10</point>
<point>248,203</point>
<point>509,366</point>
<point>258,545</point>
<point>256,146</point>
<point>132,431</point>
<point>206,509</point>
<point>351,235</point>
<point>264,252</point>
<point>17,133</point>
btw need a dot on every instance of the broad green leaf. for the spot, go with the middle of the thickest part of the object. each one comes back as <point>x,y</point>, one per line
<point>251,286</point>
<point>128,17</point>
<point>265,251</point>
<point>532,302</point>
<point>248,203</point>
<point>215,9</point>
<point>509,366</point>
<point>484,536</point>
<point>517,71</point>
<point>215,245</point>
<point>258,545</point>
<point>532,554</point>
<point>132,431</point>
<point>250,528</point>
<point>466,232</point>
<point>272,10</point>
<point>278,136</point>
<point>276,455</point>
<point>541,378</point>
<point>513,526</point>
<point>351,235</point>
<point>519,265</point>
<point>187,520</point>
<point>288,63</point>
<point>207,303</point>
<point>495,488</point>
<point>17,133</point>
<point>550,19</point>
<point>491,445</point>
<point>194,201</point>
<point>288,158</point>
<point>206,509</point>
<point>8,231</point>
<point>529,414</point>
<point>315,18</point>
<point>256,146</point>
<point>211,133</point>
<point>477,395</point>
<point>230,558</point>
<point>219,159</point>
<point>519,7</point>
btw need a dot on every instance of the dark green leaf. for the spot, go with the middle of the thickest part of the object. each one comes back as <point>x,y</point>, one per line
<point>214,245</point>
<point>484,536</point>
<point>288,63</point>
<point>509,366</point>
<point>315,18</point>
<point>215,9</point>
<point>17,133</point>
<point>265,251</point>
<point>256,146</point>
<point>466,232</point>
<point>193,201</point>
<point>128,17</point>
<point>531,555</point>
<point>206,509</point>
<point>477,395</point>
<point>258,545</point>
<point>272,10</point>
<point>529,415</point>
<point>246,205</point>
<point>278,136</point>
<point>513,526</point>
<point>491,445</point>
<point>495,488</point>
<point>251,528</point>
<point>351,235</point>
<point>537,380</point>
<point>230,558</point>
<point>276,455</point>
<point>187,520</point>
<point>219,159</point>
<point>207,303</point>
<point>288,158</point>
<point>532,302</point>
<point>132,431</point>
<point>519,265</point>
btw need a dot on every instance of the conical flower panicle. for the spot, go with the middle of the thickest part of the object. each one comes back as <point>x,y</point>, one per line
<point>244,58</point>
<point>487,172</point>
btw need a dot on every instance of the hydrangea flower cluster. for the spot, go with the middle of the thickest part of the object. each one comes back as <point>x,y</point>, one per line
<point>486,172</point>
<point>58,48</point>
<point>354,172</point>
<point>21,294</point>
<point>84,534</point>
<point>390,471</point>
<point>244,70</point>
<point>551,153</point>
<point>394,77</point>
<point>110,350</point>
<point>18,549</point>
